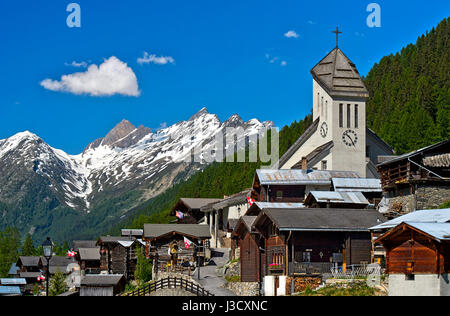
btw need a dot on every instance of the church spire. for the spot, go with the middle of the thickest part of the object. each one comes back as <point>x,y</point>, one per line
<point>337,32</point>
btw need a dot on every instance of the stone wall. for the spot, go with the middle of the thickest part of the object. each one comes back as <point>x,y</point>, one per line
<point>243,288</point>
<point>301,283</point>
<point>425,197</point>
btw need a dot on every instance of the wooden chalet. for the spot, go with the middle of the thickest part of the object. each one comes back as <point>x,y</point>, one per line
<point>417,180</point>
<point>305,241</point>
<point>102,285</point>
<point>118,255</point>
<point>423,216</point>
<point>292,185</point>
<point>159,237</point>
<point>77,244</point>
<point>247,245</point>
<point>418,258</point>
<point>29,268</point>
<point>190,208</point>
<point>89,260</point>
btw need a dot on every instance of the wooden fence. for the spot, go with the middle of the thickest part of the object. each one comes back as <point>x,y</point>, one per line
<point>170,283</point>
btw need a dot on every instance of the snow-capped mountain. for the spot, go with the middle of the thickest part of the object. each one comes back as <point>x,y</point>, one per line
<point>126,159</point>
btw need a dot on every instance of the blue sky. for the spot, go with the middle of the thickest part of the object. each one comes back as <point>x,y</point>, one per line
<point>221,53</point>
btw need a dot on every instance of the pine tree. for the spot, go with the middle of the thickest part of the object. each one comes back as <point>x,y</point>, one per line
<point>58,284</point>
<point>143,272</point>
<point>28,247</point>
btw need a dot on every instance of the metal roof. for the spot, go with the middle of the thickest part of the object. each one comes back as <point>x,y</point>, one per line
<point>89,253</point>
<point>439,231</point>
<point>16,281</point>
<point>408,155</point>
<point>195,230</point>
<point>339,76</point>
<point>101,279</point>
<point>324,219</point>
<point>235,199</point>
<point>339,197</point>
<point>263,205</point>
<point>362,185</point>
<point>114,239</point>
<point>10,290</point>
<point>301,177</point>
<point>14,269</point>
<point>28,275</point>
<point>424,216</point>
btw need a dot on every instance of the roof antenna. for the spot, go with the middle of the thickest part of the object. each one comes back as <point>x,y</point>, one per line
<point>337,32</point>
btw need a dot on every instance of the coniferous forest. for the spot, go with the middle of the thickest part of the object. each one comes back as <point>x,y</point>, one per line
<point>409,104</point>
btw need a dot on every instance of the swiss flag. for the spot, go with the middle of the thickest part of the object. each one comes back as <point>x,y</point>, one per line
<point>187,243</point>
<point>250,201</point>
<point>71,254</point>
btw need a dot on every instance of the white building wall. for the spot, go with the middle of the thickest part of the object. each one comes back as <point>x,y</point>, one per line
<point>422,285</point>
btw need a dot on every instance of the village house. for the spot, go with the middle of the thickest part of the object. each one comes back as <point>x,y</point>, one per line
<point>223,216</point>
<point>299,241</point>
<point>118,255</point>
<point>417,180</point>
<point>370,188</point>
<point>418,256</point>
<point>89,260</point>
<point>292,186</point>
<point>421,216</point>
<point>188,211</point>
<point>136,233</point>
<point>102,285</point>
<point>160,238</point>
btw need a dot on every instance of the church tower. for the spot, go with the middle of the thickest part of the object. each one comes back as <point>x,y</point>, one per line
<point>337,138</point>
<point>339,104</point>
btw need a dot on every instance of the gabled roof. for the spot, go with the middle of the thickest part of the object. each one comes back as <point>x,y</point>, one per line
<point>445,149</point>
<point>114,239</point>
<point>258,206</point>
<point>351,185</point>
<point>235,199</point>
<point>132,232</point>
<point>339,76</point>
<point>197,203</point>
<point>101,280</point>
<point>301,177</point>
<point>356,198</point>
<point>57,261</point>
<point>30,261</point>
<point>324,219</point>
<point>193,230</point>
<point>92,254</point>
<point>244,222</point>
<point>424,216</point>
<point>437,231</point>
<point>84,244</point>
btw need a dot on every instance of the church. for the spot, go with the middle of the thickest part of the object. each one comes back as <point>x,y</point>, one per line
<point>338,139</point>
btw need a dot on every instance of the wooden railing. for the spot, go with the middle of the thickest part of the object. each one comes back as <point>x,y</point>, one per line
<point>170,283</point>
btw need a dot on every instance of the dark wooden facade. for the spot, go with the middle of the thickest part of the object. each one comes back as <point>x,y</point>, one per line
<point>410,251</point>
<point>118,259</point>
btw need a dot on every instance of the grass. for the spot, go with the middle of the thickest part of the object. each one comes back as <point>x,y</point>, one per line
<point>351,290</point>
<point>233,278</point>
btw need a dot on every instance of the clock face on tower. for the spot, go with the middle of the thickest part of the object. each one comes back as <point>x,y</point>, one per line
<point>350,138</point>
<point>324,130</point>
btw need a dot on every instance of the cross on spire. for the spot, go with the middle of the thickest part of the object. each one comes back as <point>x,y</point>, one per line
<point>337,32</point>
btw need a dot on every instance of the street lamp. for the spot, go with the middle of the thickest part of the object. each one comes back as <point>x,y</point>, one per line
<point>47,246</point>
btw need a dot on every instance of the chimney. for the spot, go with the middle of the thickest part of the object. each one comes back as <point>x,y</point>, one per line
<point>304,163</point>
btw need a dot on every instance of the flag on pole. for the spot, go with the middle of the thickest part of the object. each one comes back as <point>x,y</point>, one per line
<point>250,201</point>
<point>179,215</point>
<point>187,243</point>
<point>71,253</point>
<point>41,278</point>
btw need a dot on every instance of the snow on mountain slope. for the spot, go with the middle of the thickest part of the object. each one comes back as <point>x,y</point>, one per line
<point>127,158</point>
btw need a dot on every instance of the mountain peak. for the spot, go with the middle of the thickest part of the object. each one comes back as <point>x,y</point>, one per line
<point>200,113</point>
<point>118,132</point>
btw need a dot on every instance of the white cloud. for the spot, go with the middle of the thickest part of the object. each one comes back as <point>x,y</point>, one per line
<point>158,60</point>
<point>291,34</point>
<point>110,78</point>
<point>82,64</point>
<point>284,63</point>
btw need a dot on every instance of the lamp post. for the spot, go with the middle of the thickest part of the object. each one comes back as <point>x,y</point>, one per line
<point>47,246</point>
